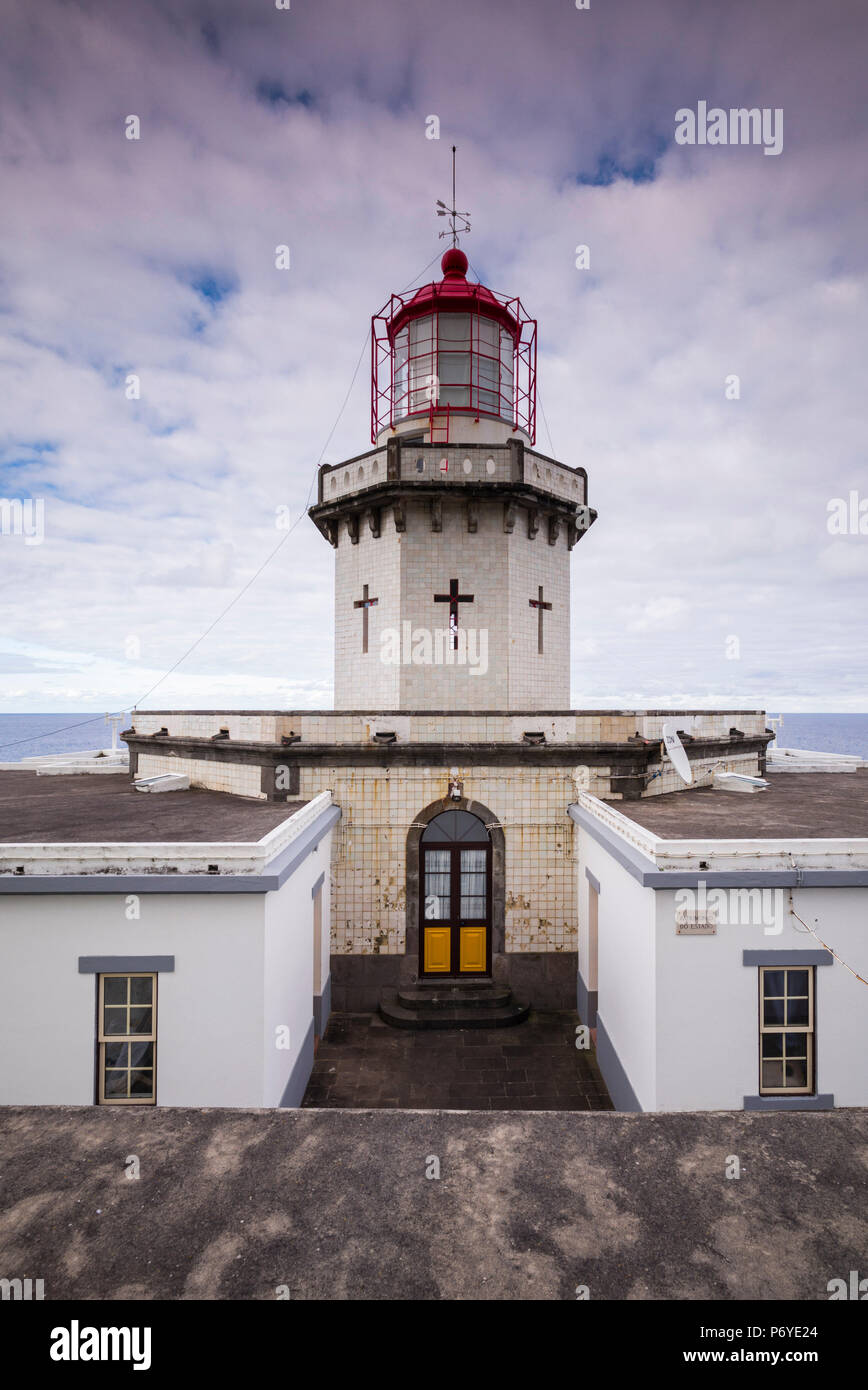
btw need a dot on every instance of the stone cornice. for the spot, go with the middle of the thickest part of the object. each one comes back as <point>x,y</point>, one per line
<point>373,501</point>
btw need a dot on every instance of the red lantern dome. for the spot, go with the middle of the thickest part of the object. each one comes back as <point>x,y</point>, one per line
<point>453,348</point>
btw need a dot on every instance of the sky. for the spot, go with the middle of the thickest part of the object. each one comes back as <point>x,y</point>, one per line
<point>711,575</point>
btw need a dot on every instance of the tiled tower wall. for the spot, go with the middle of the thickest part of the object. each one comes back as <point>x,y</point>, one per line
<point>503,668</point>
<point>429,559</point>
<point>363,678</point>
<point>538,682</point>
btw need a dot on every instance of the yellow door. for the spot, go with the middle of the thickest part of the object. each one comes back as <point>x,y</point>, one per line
<point>437,949</point>
<point>473,951</point>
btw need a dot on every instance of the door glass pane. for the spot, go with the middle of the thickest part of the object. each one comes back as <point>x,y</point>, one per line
<point>438,903</point>
<point>473,883</point>
<point>455,825</point>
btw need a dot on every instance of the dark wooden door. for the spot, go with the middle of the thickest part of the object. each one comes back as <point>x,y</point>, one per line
<point>455,927</point>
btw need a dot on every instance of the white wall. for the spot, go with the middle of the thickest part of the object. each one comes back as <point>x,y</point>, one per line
<point>626,1005</point>
<point>707,1003</point>
<point>209,1010</point>
<point>288,980</point>
<point>243,966</point>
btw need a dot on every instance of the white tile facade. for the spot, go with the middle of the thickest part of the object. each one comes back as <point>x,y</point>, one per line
<point>379,805</point>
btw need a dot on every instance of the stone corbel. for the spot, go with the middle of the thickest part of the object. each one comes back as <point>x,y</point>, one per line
<point>373,515</point>
<point>400,515</point>
<point>436,506</point>
<point>472,517</point>
<point>532,522</point>
<point>331,530</point>
<point>353,527</point>
<point>554,529</point>
<point>508,518</point>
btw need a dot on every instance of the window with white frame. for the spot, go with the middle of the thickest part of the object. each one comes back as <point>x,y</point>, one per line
<point>786,1030</point>
<point>127,1039</point>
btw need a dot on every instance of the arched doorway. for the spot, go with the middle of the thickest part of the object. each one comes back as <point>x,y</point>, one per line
<point>455,896</point>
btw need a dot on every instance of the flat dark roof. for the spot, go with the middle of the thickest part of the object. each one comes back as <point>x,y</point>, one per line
<point>799,805</point>
<point>106,806</point>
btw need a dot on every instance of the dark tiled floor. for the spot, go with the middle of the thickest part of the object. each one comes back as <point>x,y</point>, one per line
<point>362,1063</point>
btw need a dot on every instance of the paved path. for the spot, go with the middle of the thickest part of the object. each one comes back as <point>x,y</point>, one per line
<point>363,1063</point>
<point>335,1204</point>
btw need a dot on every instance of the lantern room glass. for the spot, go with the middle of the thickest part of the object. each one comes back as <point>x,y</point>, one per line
<point>463,361</point>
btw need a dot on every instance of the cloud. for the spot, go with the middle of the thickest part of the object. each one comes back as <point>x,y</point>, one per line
<point>155,259</point>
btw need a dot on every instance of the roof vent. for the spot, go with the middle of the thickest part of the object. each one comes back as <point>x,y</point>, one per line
<point>385,736</point>
<point>739,782</point>
<point>287,739</point>
<point>217,738</point>
<point>161,733</point>
<point>535,737</point>
<point>166,782</point>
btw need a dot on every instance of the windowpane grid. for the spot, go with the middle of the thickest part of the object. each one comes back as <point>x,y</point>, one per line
<point>127,1039</point>
<point>786,1030</point>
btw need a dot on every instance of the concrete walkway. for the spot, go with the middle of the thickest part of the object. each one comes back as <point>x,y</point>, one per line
<point>363,1063</point>
<point>336,1204</point>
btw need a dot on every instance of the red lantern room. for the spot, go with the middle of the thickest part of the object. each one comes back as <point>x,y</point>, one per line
<point>453,351</point>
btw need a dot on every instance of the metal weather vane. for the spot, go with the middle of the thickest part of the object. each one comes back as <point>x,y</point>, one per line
<point>455,217</point>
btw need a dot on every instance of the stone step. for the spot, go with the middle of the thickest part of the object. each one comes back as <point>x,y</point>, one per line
<point>455,1016</point>
<point>479,996</point>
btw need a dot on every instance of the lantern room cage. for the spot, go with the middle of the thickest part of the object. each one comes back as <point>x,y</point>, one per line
<point>453,348</point>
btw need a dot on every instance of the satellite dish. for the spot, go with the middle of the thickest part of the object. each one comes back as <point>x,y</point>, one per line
<point>675,748</point>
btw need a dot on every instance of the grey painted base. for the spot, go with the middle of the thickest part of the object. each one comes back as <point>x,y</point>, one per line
<point>544,979</point>
<point>322,1007</point>
<point>824,1102</point>
<point>614,1075</point>
<point>297,1083</point>
<point>586,1003</point>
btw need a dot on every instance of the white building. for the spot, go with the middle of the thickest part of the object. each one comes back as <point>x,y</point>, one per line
<point>167,949</point>
<point>704,922</point>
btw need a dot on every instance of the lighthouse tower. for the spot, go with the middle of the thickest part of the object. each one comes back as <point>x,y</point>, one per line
<point>452,535</point>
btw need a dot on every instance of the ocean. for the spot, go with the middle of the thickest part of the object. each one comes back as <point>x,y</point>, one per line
<point>26,735</point>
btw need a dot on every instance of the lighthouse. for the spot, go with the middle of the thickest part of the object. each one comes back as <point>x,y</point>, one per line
<point>452,752</point>
<point>453,533</point>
